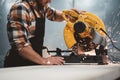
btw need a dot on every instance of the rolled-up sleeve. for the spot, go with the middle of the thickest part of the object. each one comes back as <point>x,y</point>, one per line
<point>18,20</point>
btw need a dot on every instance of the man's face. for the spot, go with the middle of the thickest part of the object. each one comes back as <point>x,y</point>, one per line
<point>44,2</point>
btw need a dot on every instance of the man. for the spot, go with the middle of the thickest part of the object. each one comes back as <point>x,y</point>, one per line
<point>26,26</point>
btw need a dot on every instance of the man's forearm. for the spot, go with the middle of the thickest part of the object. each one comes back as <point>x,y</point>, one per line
<point>28,53</point>
<point>59,16</point>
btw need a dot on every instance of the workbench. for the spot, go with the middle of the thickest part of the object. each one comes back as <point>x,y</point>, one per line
<point>62,72</point>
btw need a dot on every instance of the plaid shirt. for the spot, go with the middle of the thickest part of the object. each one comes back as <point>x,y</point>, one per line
<point>21,23</point>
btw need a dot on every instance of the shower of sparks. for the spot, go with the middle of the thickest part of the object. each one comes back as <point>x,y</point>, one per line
<point>114,32</point>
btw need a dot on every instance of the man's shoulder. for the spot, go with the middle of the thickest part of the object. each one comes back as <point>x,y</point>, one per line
<point>20,5</point>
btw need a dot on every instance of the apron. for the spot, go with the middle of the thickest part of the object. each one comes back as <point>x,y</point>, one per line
<point>14,59</point>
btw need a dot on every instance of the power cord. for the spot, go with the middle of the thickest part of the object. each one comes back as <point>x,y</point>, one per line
<point>110,40</point>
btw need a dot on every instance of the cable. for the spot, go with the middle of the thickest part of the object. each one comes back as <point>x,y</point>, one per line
<point>110,39</point>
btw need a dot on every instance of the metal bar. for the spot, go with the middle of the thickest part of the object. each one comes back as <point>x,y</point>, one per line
<point>52,51</point>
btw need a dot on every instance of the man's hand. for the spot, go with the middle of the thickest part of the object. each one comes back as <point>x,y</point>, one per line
<point>53,61</point>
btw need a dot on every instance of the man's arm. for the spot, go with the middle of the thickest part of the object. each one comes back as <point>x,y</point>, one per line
<point>58,16</point>
<point>28,53</point>
<point>53,14</point>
